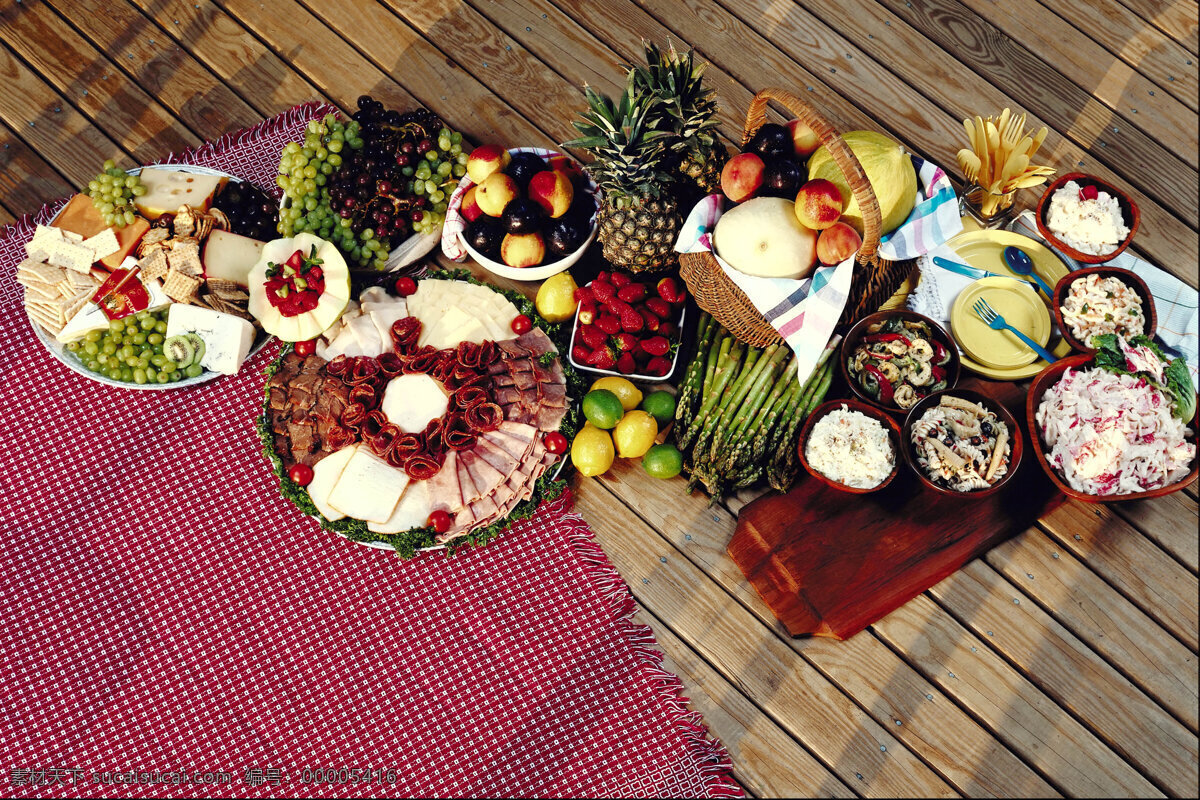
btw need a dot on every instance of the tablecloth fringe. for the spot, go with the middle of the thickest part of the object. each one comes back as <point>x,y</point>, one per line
<point>710,757</point>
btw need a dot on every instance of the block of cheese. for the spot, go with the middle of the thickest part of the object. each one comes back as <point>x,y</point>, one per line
<point>368,488</point>
<point>168,189</point>
<point>325,476</point>
<point>81,217</point>
<point>228,256</point>
<point>411,401</point>
<point>227,339</point>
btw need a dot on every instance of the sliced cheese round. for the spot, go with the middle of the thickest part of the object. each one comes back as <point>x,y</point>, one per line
<point>412,511</point>
<point>411,401</point>
<point>325,476</point>
<point>368,487</point>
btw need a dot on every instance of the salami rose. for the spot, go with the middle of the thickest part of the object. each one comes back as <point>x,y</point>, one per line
<point>483,417</point>
<point>372,425</point>
<point>423,361</point>
<point>422,467</point>
<point>362,370</point>
<point>407,445</point>
<point>338,366</point>
<point>405,332</point>
<point>468,354</point>
<point>457,434</point>
<point>365,393</point>
<point>339,436</point>
<point>381,442</point>
<point>354,415</point>
<point>435,442</point>
<point>487,354</point>
<point>391,364</point>
<point>482,381</point>
<point>468,396</point>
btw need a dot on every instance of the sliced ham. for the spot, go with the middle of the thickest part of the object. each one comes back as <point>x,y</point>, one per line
<point>485,476</point>
<point>549,418</point>
<point>497,457</point>
<point>518,430</point>
<point>468,492</point>
<point>537,342</point>
<point>444,488</point>
<point>484,509</point>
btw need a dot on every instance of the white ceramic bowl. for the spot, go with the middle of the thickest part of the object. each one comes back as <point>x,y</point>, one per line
<point>540,272</point>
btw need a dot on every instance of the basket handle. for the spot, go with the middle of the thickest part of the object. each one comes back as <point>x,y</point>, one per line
<point>843,156</point>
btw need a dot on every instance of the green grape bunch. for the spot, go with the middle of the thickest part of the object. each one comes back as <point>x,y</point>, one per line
<point>112,193</point>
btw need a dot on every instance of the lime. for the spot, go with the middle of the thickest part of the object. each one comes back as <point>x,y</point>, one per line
<point>663,461</point>
<point>630,395</point>
<point>635,434</point>
<point>660,405</point>
<point>556,298</point>
<point>602,408</point>
<point>592,451</point>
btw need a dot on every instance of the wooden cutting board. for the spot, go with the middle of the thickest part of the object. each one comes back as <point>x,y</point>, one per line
<point>828,563</point>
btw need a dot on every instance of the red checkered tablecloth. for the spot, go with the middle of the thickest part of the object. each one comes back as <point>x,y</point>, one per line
<point>170,626</point>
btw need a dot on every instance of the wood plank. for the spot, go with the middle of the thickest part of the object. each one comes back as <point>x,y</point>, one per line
<point>169,74</point>
<point>916,712</point>
<point>1106,621</point>
<point>845,738</point>
<point>766,760</point>
<point>1019,713</point>
<point>1179,19</point>
<point>93,84</point>
<point>1135,566</point>
<point>52,127</point>
<point>1065,668</point>
<point>433,79</point>
<point>1144,48</point>
<point>958,88</point>
<point>1114,83</point>
<point>1170,522</point>
<point>25,176</point>
<point>736,49</point>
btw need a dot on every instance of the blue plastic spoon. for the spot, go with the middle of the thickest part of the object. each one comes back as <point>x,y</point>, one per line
<point>1019,262</point>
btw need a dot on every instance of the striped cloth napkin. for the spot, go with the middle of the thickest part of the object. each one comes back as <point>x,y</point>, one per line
<point>1174,301</point>
<point>803,311</point>
<point>933,221</point>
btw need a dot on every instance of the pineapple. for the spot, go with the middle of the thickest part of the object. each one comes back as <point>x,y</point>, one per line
<point>691,114</point>
<point>639,218</point>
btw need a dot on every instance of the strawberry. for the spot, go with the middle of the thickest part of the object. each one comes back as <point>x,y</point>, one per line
<point>1089,193</point>
<point>609,323</point>
<point>625,341</point>
<point>296,260</point>
<point>620,280</point>
<point>592,336</point>
<point>583,294</point>
<point>631,320</point>
<point>656,345</point>
<point>669,330</point>
<point>653,323</point>
<point>658,367</point>
<point>660,307</point>
<point>632,292</point>
<point>580,353</point>
<point>641,357</point>
<point>604,275</point>
<point>626,364</point>
<point>603,290</point>
<point>587,312</point>
<point>603,358</point>
<point>668,289</point>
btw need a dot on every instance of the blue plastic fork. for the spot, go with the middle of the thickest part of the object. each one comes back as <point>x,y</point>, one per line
<point>997,323</point>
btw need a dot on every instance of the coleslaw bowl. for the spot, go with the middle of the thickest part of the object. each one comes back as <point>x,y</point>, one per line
<point>879,415</point>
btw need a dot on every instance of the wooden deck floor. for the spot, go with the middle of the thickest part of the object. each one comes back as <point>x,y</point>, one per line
<point>1063,662</point>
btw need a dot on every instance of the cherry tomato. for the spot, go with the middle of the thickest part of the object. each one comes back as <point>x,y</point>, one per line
<point>301,473</point>
<point>522,324</point>
<point>440,521</point>
<point>405,286</point>
<point>556,442</point>
<point>306,348</point>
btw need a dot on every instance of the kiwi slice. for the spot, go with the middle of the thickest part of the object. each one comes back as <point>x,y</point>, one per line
<point>197,346</point>
<point>179,350</point>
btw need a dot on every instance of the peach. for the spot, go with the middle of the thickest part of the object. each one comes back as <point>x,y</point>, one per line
<point>804,139</point>
<point>837,243</point>
<point>494,192</point>
<point>485,160</point>
<point>552,190</point>
<point>742,177</point>
<point>819,204</point>
<point>470,209</point>
<point>522,249</point>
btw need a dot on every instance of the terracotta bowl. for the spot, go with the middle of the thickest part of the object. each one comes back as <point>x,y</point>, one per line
<point>1016,450</point>
<point>889,424</point>
<point>1047,378</point>
<point>1127,277</point>
<point>1129,212</point>
<point>855,334</point>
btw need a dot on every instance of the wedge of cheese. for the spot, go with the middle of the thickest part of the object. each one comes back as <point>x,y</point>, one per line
<point>227,339</point>
<point>79,216</point>
<point>168,189</point>
<point>412,511</point>
<point>325,476</point>
<point>411,401</point>
<point>228,256</point>
<point>368,488</point>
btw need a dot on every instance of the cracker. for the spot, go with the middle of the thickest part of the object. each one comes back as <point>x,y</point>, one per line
<point>184,256</point>
<point>223,287</point>
<point>48,321</point>
<point>154,265</point>
<point>152,239</point>
<point>71,306</point>
<point>72,256</point>
<point>185,221</point>
<point>41,291</point>
<point>180,287</point>
<point>103,244</point>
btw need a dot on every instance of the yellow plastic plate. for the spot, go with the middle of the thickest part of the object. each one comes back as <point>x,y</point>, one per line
<point>985,249</point>
<point>1019,306</point>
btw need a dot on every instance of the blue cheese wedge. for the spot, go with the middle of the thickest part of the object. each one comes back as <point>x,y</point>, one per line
<point>227,339</point>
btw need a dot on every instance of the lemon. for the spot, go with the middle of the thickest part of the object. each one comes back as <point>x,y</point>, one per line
<point>556,298</point>
<point>629,394</point>
<point>635,434</point>
<point>663,461</point>
<point>660,405</point>
<point>592,451</point>
<point>602,408</point>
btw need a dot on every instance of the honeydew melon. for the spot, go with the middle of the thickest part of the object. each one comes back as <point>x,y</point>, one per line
<point>333,300</point>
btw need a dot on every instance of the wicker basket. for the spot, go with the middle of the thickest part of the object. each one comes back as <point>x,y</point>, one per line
<point>875,279</point>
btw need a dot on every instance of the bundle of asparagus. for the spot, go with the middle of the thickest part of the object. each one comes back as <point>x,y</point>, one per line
<point>739,411</point>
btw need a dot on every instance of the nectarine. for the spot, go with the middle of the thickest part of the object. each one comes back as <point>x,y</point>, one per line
<point>804,139</point>
<point>485,160</point>
<point>494,192</point>
<point>742,177</point>
<point>552,190</point>
<point>523,250</point>
<point>837,243</point>
<point>818,204</point>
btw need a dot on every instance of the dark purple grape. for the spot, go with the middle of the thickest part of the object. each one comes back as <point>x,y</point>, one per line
<point>402,160</point>
<point>383,187</point>
<point>424,146</point>
<point>408,148</point>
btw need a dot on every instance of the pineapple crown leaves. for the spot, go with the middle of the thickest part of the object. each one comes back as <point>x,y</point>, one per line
<point>688,105</point>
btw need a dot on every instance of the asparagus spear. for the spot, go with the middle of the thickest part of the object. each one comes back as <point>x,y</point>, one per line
<point>724,379</point>
<point>768,431</point>
<point>721,373</point>
<point>689,392</point>
<point>756,361</point>
<point>735,441</point>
